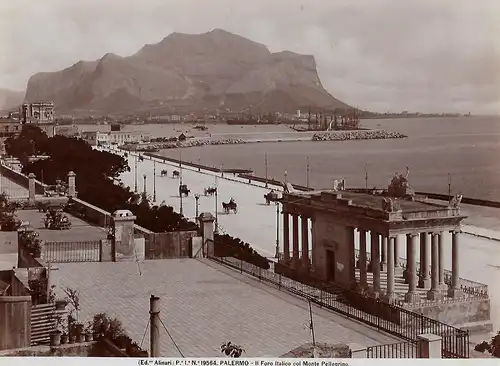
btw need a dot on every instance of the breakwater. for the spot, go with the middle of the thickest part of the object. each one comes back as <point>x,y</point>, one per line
<point>356,135</point>
<point>182,144</point>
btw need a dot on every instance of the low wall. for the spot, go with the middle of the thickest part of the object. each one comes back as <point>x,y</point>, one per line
<point>460,313</point>
<point>21,179</point>
<point>25,259</point>
<point>169,245</point>
<point>15,317</point>
<point>91,213</point>
<point>64,350</point>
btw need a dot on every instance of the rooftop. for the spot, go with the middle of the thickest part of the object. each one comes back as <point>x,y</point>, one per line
<point>204,304</point>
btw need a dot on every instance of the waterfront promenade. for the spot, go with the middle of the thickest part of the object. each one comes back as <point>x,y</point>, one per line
<point>255,222</point>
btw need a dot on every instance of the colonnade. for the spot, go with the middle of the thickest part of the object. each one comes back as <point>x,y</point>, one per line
<point>300,255</point>
<point>384,257</point>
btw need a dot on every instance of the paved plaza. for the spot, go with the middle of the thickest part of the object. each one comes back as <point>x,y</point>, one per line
<point>204,304</point>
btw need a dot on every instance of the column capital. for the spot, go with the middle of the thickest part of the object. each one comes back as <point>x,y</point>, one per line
<point>456,231</point>
<point>412,235</point>
<point>433,233</point>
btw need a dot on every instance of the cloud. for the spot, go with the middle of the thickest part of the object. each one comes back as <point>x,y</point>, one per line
<point>377,54</point>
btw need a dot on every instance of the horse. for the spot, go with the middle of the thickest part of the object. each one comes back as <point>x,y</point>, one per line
<point>141,158</point>
<point>176,174</point>
<point>183,190</point>
<point>270,197</point>
<point>210,191</point>
<point>163,173</point>
<point>230,206</point>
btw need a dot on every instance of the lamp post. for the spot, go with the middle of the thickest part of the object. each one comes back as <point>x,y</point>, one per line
<point>307,172</point>
<point>265,157</point>
<point>197,197</point>
<point>135,172</point>
<point>366,176</point>
<point>277,230</point>
<point>286,176</point>
<point>216,214</point>
<point>154,180</point>
<point>144,176</point>
<point>449,187</point>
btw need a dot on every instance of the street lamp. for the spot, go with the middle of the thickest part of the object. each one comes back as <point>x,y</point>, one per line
<point>197,197</point>
<point>277,230</point>
<point>154,180</point>
<point>265,157</point>
<point>135,172</point>
<point>307,173</point>
<point>216,215</point>
<point>144,176</point>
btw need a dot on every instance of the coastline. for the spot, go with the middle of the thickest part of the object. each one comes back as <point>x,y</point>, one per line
<point>346,135</point>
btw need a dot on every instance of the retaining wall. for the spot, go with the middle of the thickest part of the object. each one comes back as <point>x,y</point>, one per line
<point>21,179</point>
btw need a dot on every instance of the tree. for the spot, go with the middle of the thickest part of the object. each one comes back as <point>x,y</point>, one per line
<point>495,345</point>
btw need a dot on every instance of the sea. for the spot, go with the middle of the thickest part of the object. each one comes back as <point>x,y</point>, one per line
<point>457,155</point>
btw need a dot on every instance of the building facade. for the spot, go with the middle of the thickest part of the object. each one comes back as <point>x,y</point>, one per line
<point>114,137</point>
<point>37,112</point>
<point>326,227</point>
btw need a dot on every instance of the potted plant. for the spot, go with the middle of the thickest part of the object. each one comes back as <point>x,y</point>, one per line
<point>88,332</point>
<point>76,328</point>
<point>64,338</point>
<point>71,327</point>
<point>55,338</point>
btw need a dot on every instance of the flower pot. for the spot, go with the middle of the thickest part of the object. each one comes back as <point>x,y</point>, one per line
<point>64,339</point>
<point>80,337</point>
<point>88,337</point>
<point>55,338</point>
<point>61,304</point>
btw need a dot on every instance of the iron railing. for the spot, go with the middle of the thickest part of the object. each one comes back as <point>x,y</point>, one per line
<point>394,320</point>
<point>406,349</point>
<point>72,251</point>
<point>471,288</point>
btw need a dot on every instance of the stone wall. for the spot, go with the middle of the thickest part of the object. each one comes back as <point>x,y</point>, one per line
<point>460,313</point>
<point>65,350</point>
<point>21,179</point>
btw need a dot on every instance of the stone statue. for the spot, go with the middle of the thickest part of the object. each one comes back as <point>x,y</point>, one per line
<point>390,205</point>
<point>455,201</point>
<point>399,186</point>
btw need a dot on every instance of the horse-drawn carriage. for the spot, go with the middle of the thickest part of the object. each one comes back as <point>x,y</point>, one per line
<point>210,191</point>
<point>164,173</point>
<point>141,158</point>
<point>176,174</point>
<point>183,190</point>
<point>58,189</point>
<point>56,220</point>
<point>230,206</point>
<point>271,197</point>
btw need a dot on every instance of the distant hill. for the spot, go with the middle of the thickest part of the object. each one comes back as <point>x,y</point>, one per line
<point>214,70</point>
<point>10,99</point>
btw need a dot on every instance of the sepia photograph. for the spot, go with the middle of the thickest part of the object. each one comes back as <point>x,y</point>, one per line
<point>217,179</point>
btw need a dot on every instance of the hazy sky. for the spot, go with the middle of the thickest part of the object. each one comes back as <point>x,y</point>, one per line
<point>439,55</point>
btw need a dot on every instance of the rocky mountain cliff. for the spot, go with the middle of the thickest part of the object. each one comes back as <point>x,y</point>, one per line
<point>10,99</point>
<point>214,70</point>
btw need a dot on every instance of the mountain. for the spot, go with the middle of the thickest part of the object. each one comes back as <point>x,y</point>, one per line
<point>187,72</point>
<point>10,99</point>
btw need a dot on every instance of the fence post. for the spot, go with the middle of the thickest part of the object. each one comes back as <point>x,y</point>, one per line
<point>357,351</point>
<point>429,346</point>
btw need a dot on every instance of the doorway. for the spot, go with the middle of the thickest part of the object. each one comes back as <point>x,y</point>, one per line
<point>330,265</point>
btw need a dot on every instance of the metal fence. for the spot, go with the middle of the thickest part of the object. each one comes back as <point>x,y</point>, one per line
<point>406,349</point>
<point>394,320</point>
<point>72,251</point>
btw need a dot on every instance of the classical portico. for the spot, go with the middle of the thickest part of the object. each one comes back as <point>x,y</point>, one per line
<point>381,224</point>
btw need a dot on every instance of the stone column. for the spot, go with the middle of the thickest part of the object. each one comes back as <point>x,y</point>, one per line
<point>206,220</point>
<point>31,187</point>
<point>429,346</point>
<point>375,263</point>
<point>434,293</point>
<point>352,254</point>
<point>372,252</point>
<point>286,237</point>
<point>362,259</point>
<point>412,295</point>
<point>295,240</point>
<point>442,285</point>
<point>384,253</point>
<point>305,242</point>
<point>424,281</point>
<point>397,243</point>
<point>454,290</point>
<point>390,295</point>
<point>71,184</point>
